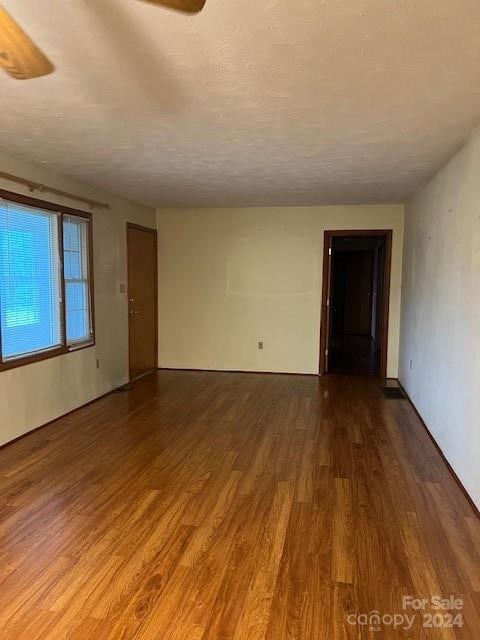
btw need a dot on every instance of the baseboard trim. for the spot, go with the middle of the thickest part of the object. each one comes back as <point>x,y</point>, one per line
<point>442,455</point>
<point>63,415</point>
<point>268,373</point>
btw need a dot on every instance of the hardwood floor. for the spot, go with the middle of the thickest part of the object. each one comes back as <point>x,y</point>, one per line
<point>222,506</point>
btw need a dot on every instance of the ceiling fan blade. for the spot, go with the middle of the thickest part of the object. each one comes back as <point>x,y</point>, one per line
<point>19,56</point>
<point>189,6</point>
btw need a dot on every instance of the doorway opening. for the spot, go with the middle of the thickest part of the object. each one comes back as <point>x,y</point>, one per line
<point>355,302</point>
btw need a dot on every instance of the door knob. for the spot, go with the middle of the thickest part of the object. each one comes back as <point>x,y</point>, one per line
<point>133,313</point>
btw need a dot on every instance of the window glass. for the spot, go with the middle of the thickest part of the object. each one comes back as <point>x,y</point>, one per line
<point>30,301</point>
<point>77,295</point>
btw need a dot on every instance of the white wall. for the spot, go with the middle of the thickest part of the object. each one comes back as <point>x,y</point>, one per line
<point>229,278</point>
<point>440,338</point>
<point>35,394</point>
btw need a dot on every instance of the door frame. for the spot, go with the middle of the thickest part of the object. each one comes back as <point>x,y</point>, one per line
<point>139,227</point>
<point>326,291</point>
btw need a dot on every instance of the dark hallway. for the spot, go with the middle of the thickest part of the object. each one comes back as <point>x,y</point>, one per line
<point>357,276</point>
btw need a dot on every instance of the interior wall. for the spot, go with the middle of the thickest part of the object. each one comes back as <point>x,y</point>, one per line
<point>230,278</point>
<point>440,338</point>
<point>37,393</point>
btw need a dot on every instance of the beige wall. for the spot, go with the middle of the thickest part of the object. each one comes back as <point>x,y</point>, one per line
<point>440,342</point>
<point>229,278</point>
<point>35,394</point>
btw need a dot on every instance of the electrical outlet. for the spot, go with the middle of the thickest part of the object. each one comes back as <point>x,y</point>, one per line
<point>122,288</point>
<point>97,362</point>
<point>260,345</point>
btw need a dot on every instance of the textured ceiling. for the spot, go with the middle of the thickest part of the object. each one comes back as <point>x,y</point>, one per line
<point>273,102</point>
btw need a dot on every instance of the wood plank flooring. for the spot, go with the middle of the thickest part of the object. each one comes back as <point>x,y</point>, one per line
<point>223,506</point>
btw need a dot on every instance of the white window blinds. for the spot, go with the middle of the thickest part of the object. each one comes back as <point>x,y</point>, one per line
<point>30,282</point>
<point>46,304</point>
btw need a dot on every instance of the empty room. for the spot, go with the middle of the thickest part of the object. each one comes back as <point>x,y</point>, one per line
<point>239,320</point>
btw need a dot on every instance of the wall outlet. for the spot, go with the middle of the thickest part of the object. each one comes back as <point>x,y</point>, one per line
<point>260,345</point>
<point>122,288</point>
<point>97,363</point>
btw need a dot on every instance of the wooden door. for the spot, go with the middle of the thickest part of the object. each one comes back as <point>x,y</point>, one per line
<point>142,299</point>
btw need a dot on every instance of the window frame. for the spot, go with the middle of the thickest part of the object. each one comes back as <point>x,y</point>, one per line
<point>61,211</point>
<point>74,345</point>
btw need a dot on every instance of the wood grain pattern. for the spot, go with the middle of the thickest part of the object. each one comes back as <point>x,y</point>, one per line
<point>19,56</point>
<point>142,299</point>
<point>189,6</point>
<point>223,506</point>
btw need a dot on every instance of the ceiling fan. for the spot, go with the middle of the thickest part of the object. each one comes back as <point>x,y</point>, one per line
<point>23,60</point>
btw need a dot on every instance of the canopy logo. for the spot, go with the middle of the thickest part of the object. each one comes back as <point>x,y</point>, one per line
<point>435,612</point>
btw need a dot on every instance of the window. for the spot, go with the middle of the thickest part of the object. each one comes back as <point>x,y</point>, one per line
<point>45,299</point>
<point>76,267</point>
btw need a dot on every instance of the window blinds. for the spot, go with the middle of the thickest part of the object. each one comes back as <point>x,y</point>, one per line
<point>30,282</point>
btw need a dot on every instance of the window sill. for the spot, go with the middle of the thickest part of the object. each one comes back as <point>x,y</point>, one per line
<point>46,355</point>
<point>80,345</point>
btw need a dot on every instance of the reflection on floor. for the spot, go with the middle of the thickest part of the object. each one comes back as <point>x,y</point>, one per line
<point>224,506</point>
<point>354,355</point>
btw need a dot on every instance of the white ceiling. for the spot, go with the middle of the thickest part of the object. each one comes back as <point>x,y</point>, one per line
<point>252,102</point>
